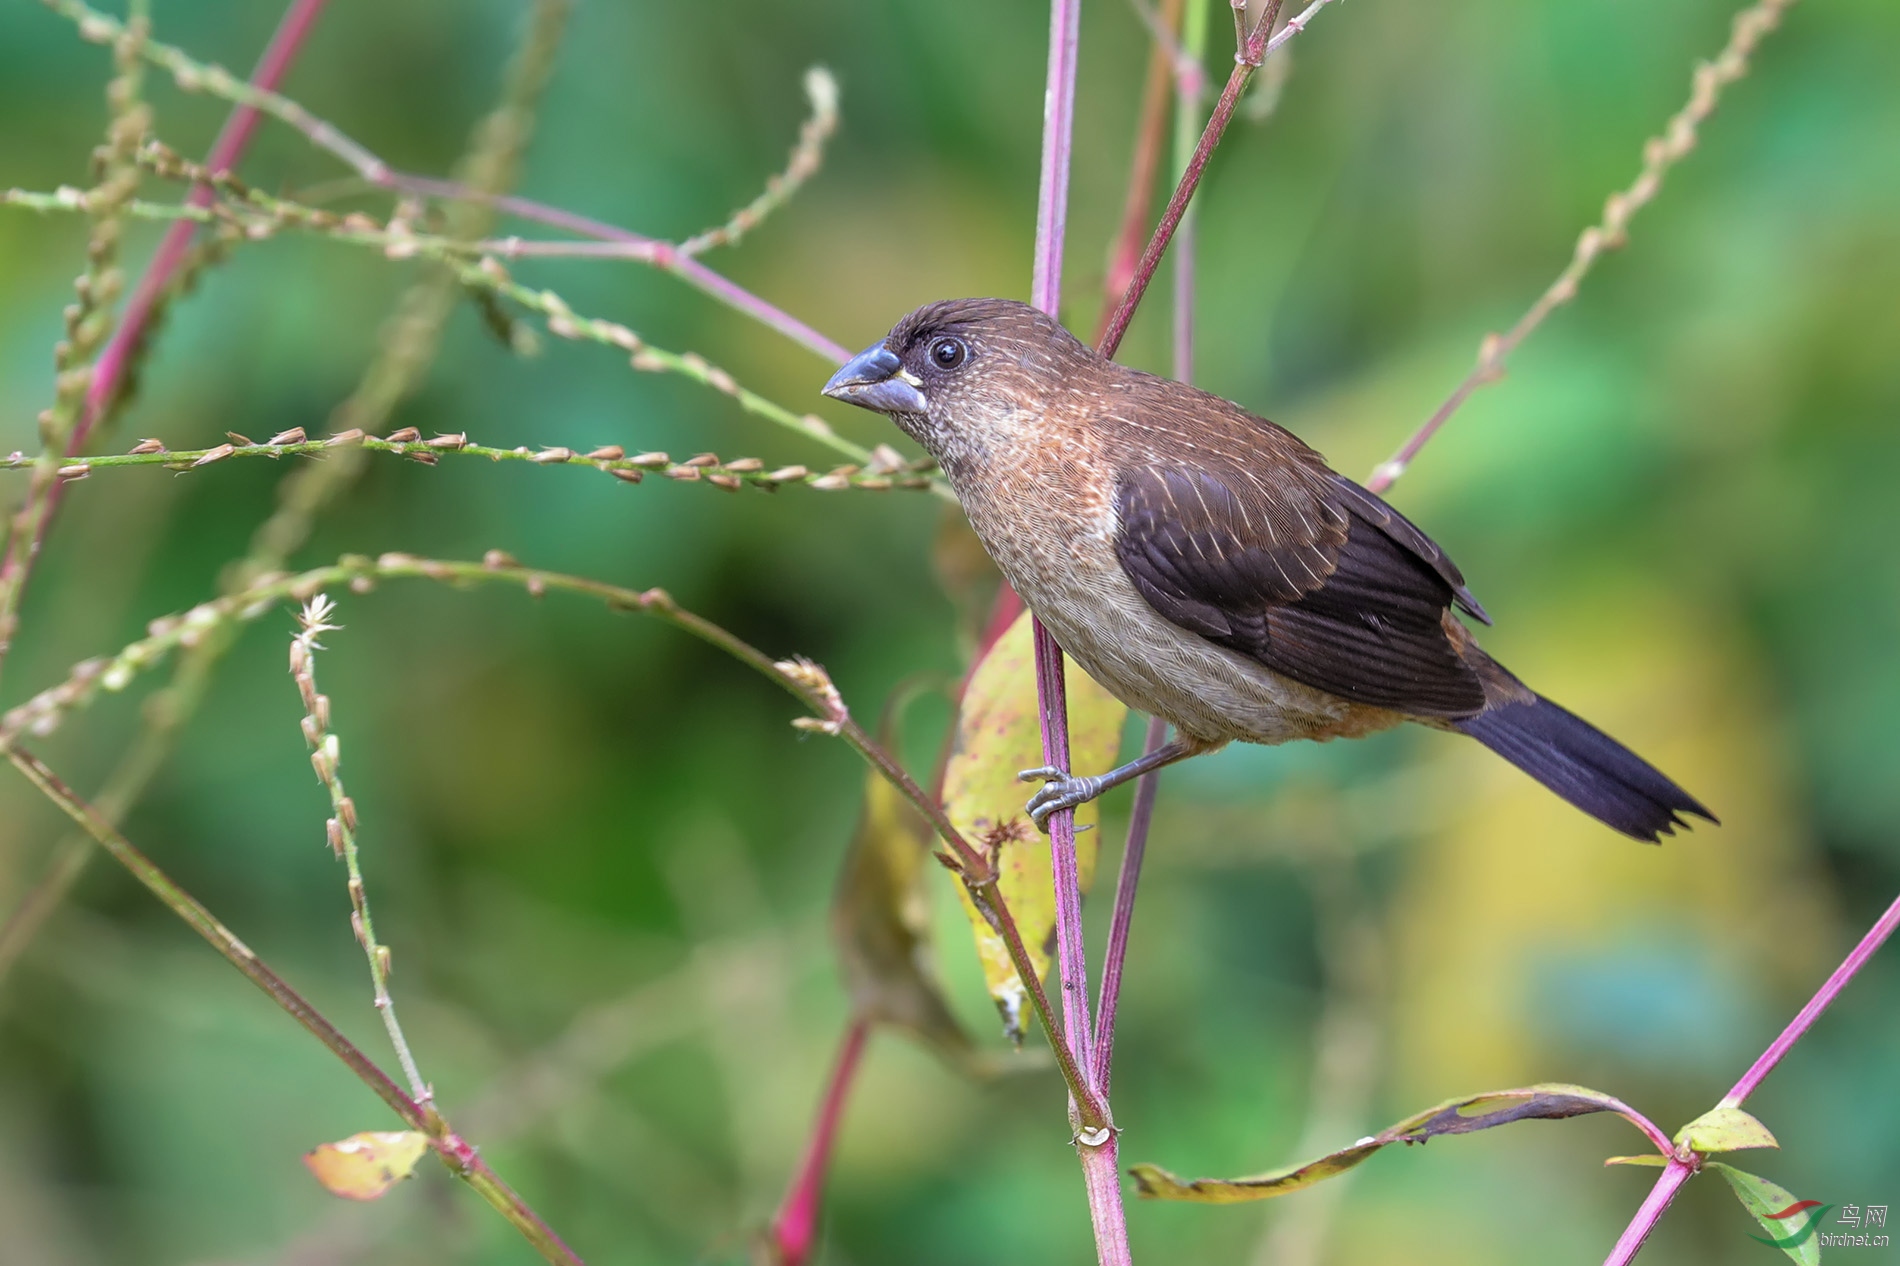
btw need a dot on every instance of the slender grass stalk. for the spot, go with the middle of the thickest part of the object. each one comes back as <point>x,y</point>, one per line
<point>886,469</point>
<point>1660,153</point>
<point>462,1159</point>
<point>326,757</point>
<point>196,76</point>
<point>805,681</point>
<point>406,348</point>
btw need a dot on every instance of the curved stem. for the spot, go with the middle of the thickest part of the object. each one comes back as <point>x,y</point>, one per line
<point>456,1153</point>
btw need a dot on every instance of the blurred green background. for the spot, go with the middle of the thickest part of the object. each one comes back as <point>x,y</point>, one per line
<point>1679,507</point>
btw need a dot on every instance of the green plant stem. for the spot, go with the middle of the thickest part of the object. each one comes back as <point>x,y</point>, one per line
<point>461,1158</point>
<point>882,475</point>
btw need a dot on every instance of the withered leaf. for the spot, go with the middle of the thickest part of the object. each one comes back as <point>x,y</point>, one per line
<point>880,920</point>
<point>364,1166</point>
<point>998,736</point>
<point>1546,1101</point>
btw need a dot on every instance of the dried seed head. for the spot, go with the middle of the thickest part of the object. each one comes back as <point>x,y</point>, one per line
<point>731,483</point>
<point>607,453</point>
<point>548,455</point>
<point>405,435</point>
<point>745,466</point>
<point>217,454</point>
<point>498,558</point>
<point>652,461</point>
<point>789,474</point>
<point>294,435</point>
<point>630,476</point>
<point>333,830</point>
<point>240,440</point>
<point>457,441</point>
<point>351,436</point>
<point>346,813</point>
<point>702,459</point>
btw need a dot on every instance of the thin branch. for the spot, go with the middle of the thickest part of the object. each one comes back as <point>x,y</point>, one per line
<point>1254,48</point>
<point>195,76</point>
<point>887,469</point>
<point>1683,1164</point>
<point>326,757</point>
<point>1660,153</point>
<point>807,155</point>
<point>1164,63</point>
<point>461,1158</point>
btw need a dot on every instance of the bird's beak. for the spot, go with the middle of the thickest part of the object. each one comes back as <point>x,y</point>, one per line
<point>875,379</point>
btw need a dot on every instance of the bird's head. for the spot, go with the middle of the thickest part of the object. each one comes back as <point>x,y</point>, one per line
<point>965,376</point>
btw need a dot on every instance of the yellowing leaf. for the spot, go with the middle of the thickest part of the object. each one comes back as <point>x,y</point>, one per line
<point>1724,1129</point>
<point>880,920</point>
<point>364,1166</point>
<point>1546,1101</point>
<point>1655,1160</point>
<point>997,737</point>
<point>1790,1223</point>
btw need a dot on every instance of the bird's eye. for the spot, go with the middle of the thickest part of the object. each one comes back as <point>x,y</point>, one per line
<point>948,353</point>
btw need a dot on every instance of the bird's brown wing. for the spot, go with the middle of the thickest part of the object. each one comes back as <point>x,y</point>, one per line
<point>1271,554</point>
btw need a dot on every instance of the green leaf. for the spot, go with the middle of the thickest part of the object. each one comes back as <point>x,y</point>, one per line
<point>998,735</point>
<point>1546,1101</point>
<point>1790,1223</point>
<point>1724,1129</point>
<point>1655,1159</point>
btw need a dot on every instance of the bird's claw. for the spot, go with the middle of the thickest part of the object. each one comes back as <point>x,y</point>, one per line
<point>1060,791</point>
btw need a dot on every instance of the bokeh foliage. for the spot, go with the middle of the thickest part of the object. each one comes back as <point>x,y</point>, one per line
<point>1678,507</point>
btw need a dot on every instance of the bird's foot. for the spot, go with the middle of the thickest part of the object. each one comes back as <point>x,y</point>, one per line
<point>1060,791</point>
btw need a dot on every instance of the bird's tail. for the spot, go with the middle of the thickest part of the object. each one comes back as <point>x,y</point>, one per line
<point>1585,766</point>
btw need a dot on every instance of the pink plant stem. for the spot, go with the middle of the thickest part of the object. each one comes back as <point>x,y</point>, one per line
<point>109,369</point>
<point>1255,48</point>
<point>1679,1170</point>
<point>623,244</point>
<point>795,1227</point>
<point>1126,882</point>
<point>1095,1146</point>
<point>288,40</point>
<point>1188,87</point>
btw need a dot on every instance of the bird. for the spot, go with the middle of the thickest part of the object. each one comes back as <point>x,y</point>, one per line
<point>1208,568</point>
